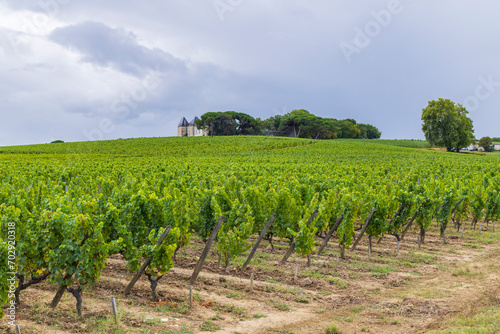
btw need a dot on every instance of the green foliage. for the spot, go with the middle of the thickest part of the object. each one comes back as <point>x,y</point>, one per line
<point>368,131</point>
<point>235,231</point>
<point>209,326</point>
<point>485,143</point>
<point>443,215</point>
<point>446,124</point>
<point>304,239</point>
<point>118,196</point>
<point>477,203</point>
<point>4,269</point>
<point>332,329</point>
<point>302,124</point>
<point>161,256</point>
<point>81,253</point>
<point>228,123</point>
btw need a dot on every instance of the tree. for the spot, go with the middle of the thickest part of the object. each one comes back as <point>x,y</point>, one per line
<point>446,124</point>
<point>368,131</point>
<point>486,143</point>
<point>272,123</point>
<point>246,124</point>
<point>228,123</point>
<point>347,128</point>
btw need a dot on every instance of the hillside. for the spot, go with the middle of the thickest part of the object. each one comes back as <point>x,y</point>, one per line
<point>87,215</point>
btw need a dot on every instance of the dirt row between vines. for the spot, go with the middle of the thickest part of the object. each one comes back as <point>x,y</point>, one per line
<point>408,292</point>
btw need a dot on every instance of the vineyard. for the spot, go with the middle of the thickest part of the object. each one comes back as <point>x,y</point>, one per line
<point>81,219</point>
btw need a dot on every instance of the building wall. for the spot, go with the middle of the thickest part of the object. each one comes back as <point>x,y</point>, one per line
<point>197,132</point>
<point>182,131</point>
<point>190,131</point>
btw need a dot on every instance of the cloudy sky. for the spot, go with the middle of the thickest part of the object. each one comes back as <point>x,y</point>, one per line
<point>88,70</point>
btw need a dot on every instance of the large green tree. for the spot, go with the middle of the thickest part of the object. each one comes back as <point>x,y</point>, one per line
<point>486,143</point>
<point>446,124</point>
<point>229,123</point>
<point>368,131</point>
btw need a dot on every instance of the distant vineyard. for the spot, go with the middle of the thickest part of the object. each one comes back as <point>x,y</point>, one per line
<point>75,204</point>
<point>405,143</point>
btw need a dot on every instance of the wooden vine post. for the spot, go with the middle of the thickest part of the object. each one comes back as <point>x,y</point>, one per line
<point>330,233</point>
<point>363,229</point>
<point>292,246</point>
<point>262,235</point>
<point>204,254</point>
<point>146,263</point>
<point>410,223</point>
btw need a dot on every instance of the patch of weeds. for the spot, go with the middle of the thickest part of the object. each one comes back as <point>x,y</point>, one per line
<point>197,298</point>
<point>357,309</point>
<point>395,322</point>
<point>237,310</point>
<point>333,273</point>
<point>461,272</point>
<point>271,280</point>
<point>357,264</point>
<point>209,326</point>
<point>302,300</point>
<point>332,329</point>
<point>151,321</point>
<point>313,274</point>
<point>466,271</point>
<point>259,315</point>
<point>179,308</point>
<point>325,293</point>
<point>338,282</point>
<point>182,330</point>
<point>217,316</point>
<point>486,238</point>
<point>473,246</point>
<point>280,306</point>
<point>443,266</point>
<point>234,295</point>
<point>353,275</point>
<point>420,258</point>
<point>381,269</point>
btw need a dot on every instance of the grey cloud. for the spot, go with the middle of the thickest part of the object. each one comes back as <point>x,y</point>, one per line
<point>105,46</point>
<point>264,57</point>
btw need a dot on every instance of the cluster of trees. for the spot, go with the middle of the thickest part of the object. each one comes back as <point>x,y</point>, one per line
<point>297,123</point>
<point>229,123</point>
<point>301,123</point>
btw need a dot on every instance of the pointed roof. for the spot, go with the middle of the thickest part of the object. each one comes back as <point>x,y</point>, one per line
<point>193,122</point>
<point>183,122</point>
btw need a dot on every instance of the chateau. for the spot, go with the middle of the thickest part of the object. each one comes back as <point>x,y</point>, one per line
<point>185,129</point>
